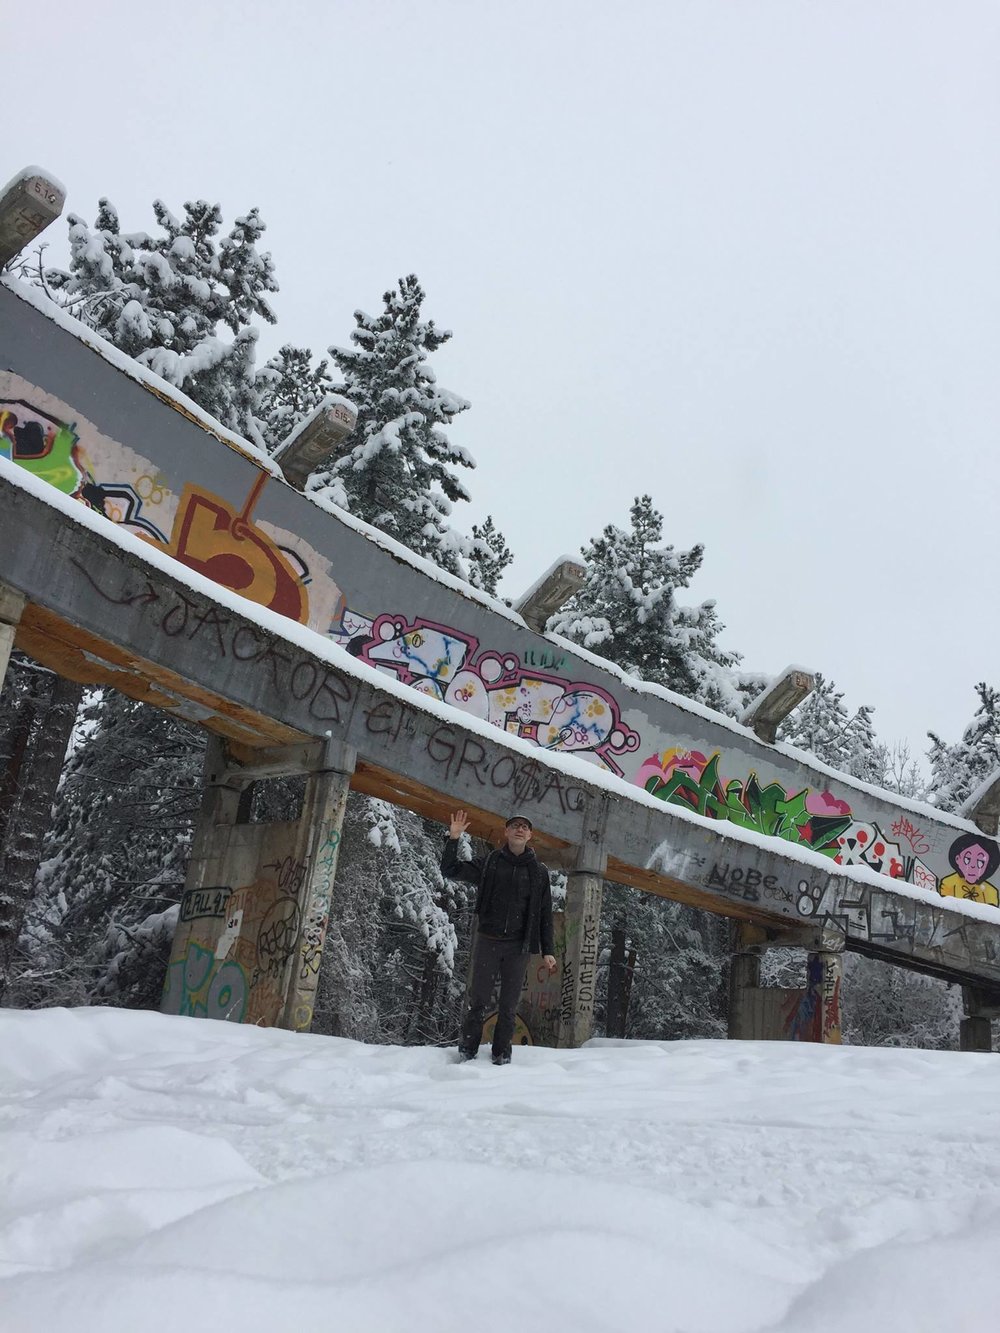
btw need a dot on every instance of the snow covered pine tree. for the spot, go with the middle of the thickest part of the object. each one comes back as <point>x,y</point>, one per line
<point>628,612</point>
<point>164,300</point>
<point>400,475</point>
<point>957,770</point>
<point>822,726</point>
<point>396,929</point>
<point>289,387</point>
<point>489,556</point>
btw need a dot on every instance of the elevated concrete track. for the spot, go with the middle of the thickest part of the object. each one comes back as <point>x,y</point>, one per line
<point>145,549</point>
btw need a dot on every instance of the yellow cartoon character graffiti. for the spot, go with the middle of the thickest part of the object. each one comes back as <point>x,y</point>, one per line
<point>974,858</point>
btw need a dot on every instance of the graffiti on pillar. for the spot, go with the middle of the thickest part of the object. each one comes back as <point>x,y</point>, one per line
<point>815,1011</point>
<point>588,965</point>
<point>539,1005</point>
<point>244,937</point>
<point>566,994</point>
<point>973,858</point>
<point>314,929</point>
<point>277,936</point>
<point>805,1016</point>
<point>200,986</point>
<point>196,904</point>
<point>830,1002</point>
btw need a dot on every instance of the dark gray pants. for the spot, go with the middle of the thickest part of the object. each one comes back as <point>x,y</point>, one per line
<point>490,959</point>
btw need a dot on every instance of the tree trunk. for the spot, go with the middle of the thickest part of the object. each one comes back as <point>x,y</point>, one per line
<point>10,778</point>
<point>614,1022</point>
<point>29,820</point>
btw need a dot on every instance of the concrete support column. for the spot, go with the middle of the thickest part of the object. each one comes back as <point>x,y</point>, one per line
<point>785,1013</point>
<point>824,972</point>
<point>221,794</point>
<point>253,916</point>
<point>579,963</point>
<point>975,1031</point>
<point>323,820</point>
<point>11,606</point>
<point>582,917</point>
<point>744,980</point>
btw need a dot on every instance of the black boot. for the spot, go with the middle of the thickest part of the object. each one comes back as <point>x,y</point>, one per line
<point>502,1057</point>
<point>464,1053</point>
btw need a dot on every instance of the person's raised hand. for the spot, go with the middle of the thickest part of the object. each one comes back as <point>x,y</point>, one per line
<point>459,824</point>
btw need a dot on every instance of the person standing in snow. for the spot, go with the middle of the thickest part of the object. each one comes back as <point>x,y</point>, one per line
<point>514,908</point>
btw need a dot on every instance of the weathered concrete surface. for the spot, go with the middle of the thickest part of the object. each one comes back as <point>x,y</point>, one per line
<point>161,472</point>
<point>11,608</point>
<point>582,926</point>
<point>785,1013</point>
<point>256,900</point>
<point>111,613</point>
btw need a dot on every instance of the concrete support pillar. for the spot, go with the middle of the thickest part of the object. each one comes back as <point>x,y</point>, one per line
<point>975,1031</point>
<point>221,793</point>
<point>323,821</point>
<point>784,1013</point>
<point>11,606</point>
<point>253,916</point>
<point>582,916</point>
<point>823,977</point>
<point>744,980</point>
<point>579,963</point>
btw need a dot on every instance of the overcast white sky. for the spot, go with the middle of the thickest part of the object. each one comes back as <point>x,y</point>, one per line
<point>743,256</point>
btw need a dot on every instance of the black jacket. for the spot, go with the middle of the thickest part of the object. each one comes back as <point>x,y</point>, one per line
<point>503,880</point>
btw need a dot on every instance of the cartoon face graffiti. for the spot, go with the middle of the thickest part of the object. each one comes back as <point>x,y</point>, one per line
<point>972,862</point>
<point>974,858</point>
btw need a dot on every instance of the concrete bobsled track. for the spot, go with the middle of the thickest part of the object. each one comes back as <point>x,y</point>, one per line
<point>146,548</point>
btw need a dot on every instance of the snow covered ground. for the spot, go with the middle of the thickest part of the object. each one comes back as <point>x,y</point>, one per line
<point>169,1173</point>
